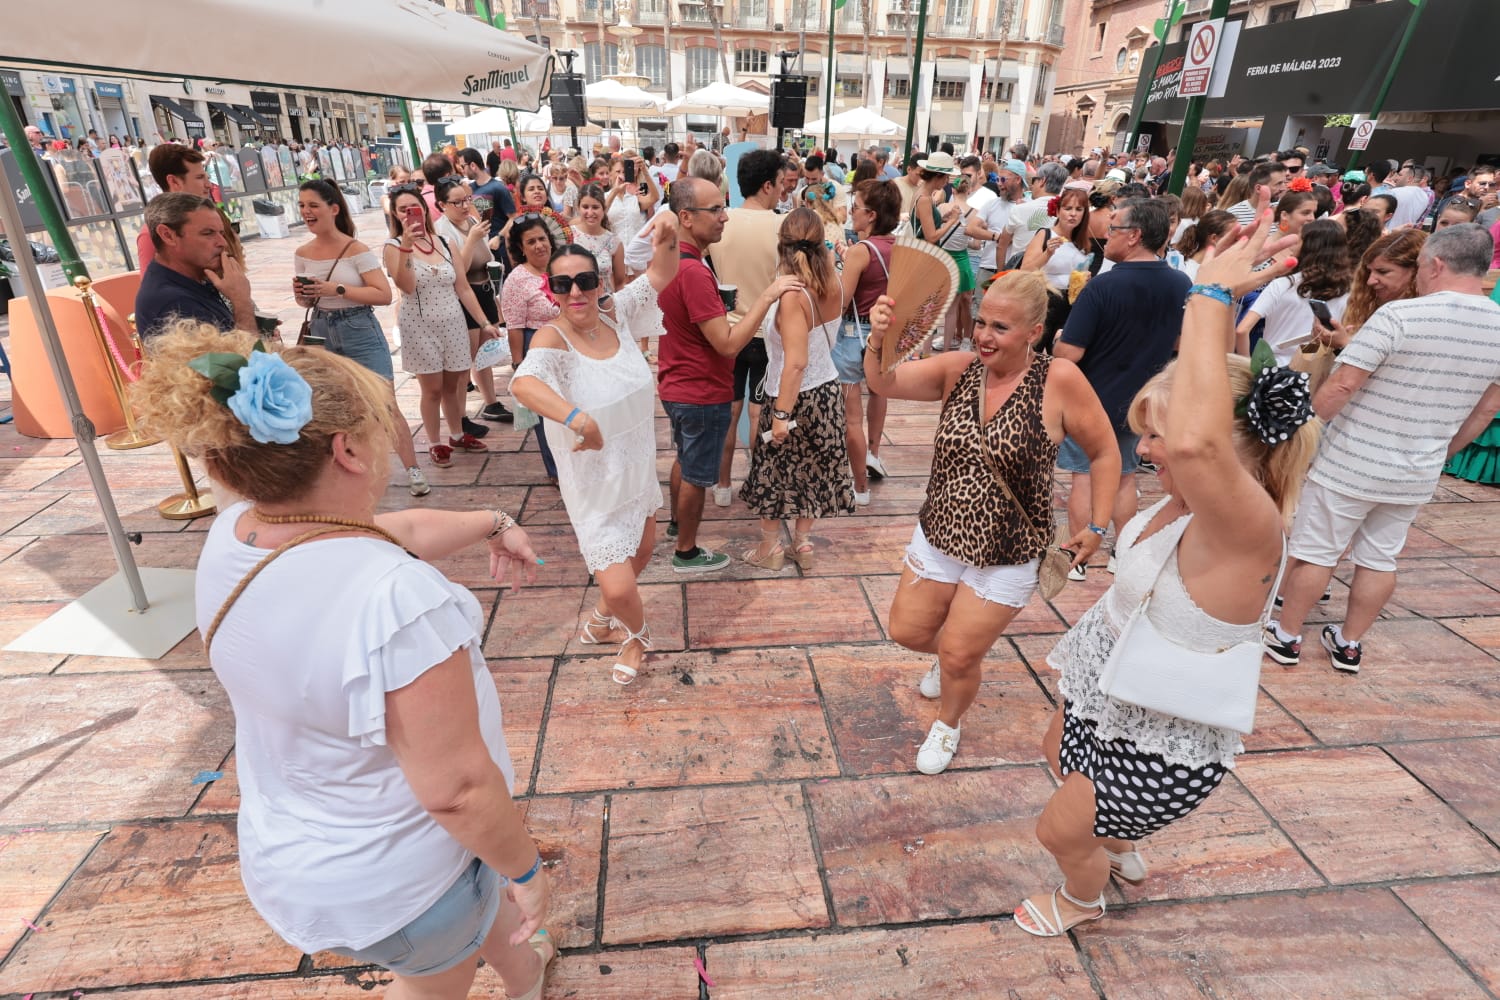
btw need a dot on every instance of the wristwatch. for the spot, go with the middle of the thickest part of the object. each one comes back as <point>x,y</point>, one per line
<point>338,289</point>
<point>780,414</point>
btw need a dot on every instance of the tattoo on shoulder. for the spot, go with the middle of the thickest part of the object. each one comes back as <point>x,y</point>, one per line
<point>1266,578</point>
<point>250,538</point>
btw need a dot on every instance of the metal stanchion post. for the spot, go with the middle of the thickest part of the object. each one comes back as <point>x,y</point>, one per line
<point>132,436</point>
<point>190,503</point>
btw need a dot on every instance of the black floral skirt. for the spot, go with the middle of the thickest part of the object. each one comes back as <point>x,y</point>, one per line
<point>807,475</point>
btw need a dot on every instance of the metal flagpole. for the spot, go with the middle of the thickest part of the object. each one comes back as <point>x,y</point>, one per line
<point>1138,111</point>
<point>1390,74</point>
<point>1191,120</point>
<point>83,427</point>
<point>914,82</point>
<point>829,78</point>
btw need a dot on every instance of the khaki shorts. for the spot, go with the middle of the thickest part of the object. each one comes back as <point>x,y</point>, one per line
<point>1328,522</point>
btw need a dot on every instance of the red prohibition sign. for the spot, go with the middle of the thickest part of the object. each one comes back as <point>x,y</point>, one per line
<point>1203,44</point>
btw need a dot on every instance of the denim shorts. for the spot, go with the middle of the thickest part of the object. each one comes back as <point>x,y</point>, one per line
<point>699,430</point>
<point>1071,457</point>
<point>355,334</point>
<point>448,932</point>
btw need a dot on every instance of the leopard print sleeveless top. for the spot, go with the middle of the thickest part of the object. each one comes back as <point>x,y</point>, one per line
<point>967,515</point>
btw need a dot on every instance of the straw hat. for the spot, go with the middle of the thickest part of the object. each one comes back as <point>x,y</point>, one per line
<point>940,163</point>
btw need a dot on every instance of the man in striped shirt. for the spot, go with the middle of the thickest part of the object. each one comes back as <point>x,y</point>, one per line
<point>1418,382</point>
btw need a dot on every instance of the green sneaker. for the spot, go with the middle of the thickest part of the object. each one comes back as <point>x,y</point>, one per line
<point>704,562</point>
<point>671,529</point>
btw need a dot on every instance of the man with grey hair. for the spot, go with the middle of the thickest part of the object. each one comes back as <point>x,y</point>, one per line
<point>191,277</point>
<point>1025,220</point>
<point>1417,383</point>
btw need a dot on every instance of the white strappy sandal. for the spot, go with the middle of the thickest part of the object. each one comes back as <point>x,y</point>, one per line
<point>1055,926</point>
<point>624,673</point>
<point>596,621</point>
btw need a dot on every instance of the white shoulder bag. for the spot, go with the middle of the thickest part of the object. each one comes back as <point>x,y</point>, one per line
<point>1216,689</point>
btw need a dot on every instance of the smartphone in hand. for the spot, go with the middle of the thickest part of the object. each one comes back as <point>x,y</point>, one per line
<point>1320,310</point>
<point>629,171</point>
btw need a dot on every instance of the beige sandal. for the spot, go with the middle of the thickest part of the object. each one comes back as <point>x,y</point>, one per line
<point>802,551</point>
<point>773,559</point>
<point>541,943</point>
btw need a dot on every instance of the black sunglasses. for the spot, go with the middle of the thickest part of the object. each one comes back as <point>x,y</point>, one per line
<point>562,284</point>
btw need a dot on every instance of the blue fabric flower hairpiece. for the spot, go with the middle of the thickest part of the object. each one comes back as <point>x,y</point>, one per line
<point>263,392</point>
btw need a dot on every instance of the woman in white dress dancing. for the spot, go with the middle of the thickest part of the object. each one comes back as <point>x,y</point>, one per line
<point>585,376</point>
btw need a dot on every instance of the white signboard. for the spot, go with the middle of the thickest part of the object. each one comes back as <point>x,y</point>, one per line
<point>1198,62</point>
<point>1363,129</point>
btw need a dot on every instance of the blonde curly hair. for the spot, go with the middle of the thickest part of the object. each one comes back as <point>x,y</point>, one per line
<point>174,402</point>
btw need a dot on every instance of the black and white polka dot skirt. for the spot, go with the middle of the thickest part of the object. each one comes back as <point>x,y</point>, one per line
<point>1135,793</point>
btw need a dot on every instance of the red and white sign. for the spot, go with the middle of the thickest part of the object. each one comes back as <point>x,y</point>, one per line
<point>1363,129</point>
<point>1198,63</point>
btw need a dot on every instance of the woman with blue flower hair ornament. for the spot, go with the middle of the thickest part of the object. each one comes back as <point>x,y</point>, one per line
<point>375,819</point>
<point>1231,439</point>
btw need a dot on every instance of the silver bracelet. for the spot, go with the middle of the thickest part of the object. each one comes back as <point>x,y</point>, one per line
<point>503,523</point>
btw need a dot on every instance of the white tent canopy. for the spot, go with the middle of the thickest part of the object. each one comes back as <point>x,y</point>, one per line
<point>397,48</point>
<point>856,123</point>
<point>490,120</point>
<point>612,99</point>
<point>720,99</point>
<point>540,123</point>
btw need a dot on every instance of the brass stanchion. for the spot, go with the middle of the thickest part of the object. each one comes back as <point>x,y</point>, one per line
<point>132,436</point>
<point>190,503</point>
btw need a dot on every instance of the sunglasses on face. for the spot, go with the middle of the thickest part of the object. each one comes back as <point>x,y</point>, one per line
<point>562,284</point>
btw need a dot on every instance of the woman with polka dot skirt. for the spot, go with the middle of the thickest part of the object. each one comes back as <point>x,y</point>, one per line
<point>1208,555</point>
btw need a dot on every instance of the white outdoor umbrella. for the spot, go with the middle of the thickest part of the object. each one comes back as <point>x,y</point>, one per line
<point>540,123</point>
<point>397,48</point>
<point>720,99</point>
<point>612,99</point>
<point>490,121</point>
<point>856,123</point>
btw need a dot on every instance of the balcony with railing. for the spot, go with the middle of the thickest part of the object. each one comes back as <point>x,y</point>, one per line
<point>697,13</point>
<point>589,11</point>
<point>651,11</point>
<point>957,20</point>
<point>1055,35</point>
<point>752,13</point>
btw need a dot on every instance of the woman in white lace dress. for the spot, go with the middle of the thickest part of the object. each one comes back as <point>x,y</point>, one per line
<point>585,376</point>
<point>1209,553</point>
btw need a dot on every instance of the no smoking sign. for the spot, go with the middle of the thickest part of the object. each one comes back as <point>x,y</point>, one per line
<point>1198,65</point>
<point>1363,129</point>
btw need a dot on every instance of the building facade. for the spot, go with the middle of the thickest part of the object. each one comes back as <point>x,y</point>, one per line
<point>1108,40</point>
<point>986,79</point>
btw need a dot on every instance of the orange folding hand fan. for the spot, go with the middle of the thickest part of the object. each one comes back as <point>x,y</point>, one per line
<point>924,283</point>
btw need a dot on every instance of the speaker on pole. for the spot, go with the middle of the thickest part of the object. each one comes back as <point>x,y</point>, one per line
<point>568,110</point>
<point>788,102</point>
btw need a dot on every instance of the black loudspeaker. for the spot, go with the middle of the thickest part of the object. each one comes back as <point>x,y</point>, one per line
<point>788,102</point>
<point>568,110</point>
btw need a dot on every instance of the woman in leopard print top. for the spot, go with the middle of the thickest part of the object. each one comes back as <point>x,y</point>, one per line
<point>972,562</point>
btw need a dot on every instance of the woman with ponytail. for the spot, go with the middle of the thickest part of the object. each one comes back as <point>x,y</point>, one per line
<point>800,467</point>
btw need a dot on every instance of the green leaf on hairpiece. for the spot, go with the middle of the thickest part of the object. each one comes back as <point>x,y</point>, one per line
<point>222,368</point>
<point>260,345</point>
<point>1262,358</point>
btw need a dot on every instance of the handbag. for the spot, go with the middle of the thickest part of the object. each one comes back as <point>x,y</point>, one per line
<point>1216,689</point>
<point>304,333</point>
<point>1314,358</point>
<point>1052,568</point>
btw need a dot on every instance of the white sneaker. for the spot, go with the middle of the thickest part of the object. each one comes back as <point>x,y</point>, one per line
<point>1076,574</point>
<point>417,482</point>
<point>1110,569</point>
<point>861,499</point>
<point>938,749</point>
<point>932,682</point>
<point>874,466</point>
<point>723,496</point>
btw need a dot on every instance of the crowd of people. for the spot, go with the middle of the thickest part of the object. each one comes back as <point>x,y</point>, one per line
<point>1295,368</point>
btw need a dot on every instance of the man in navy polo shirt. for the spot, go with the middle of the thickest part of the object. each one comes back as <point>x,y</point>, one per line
<point>696,363</point>
<point>1122,330</point>
<point>191,276</point>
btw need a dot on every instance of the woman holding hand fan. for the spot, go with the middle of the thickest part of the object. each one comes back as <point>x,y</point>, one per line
<point>972,562</point>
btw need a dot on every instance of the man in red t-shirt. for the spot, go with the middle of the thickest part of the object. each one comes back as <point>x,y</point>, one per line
<point>696,364</point>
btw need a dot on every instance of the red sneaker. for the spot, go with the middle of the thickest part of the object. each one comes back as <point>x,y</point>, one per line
<point>467,443</point>
<point>441,455</point>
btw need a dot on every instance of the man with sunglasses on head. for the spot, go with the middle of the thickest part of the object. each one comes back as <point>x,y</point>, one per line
<point>695,370</point>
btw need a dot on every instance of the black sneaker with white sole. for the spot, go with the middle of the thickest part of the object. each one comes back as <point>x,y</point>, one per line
<point>1327,596</point>
<point>476,429</point>
<point>497,413</point>
<point>1288,653</point>
<point>1345,656</point>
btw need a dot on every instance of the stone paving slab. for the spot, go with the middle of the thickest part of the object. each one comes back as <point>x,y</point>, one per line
<point>751,800</point>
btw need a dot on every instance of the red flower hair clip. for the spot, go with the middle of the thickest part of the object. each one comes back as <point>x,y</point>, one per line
<point>1300,184</point>
<point>1052,207</point>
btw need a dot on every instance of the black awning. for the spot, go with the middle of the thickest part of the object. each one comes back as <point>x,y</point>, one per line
<point>233,114</point>
<point>173,108</point>
<point>256,118</point>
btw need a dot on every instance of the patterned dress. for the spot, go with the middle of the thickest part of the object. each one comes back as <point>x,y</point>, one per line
<point>434,337</point>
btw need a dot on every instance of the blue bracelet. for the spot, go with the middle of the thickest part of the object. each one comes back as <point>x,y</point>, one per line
<point>536,866</point>
<point>1096,529</point>
<point>1216,292</point>
<point>569,422</point>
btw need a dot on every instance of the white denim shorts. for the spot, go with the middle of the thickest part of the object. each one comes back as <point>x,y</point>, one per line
<point>1008,585</point>
<point>1328,522</point>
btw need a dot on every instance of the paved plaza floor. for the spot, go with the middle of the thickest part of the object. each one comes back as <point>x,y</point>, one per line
<point>746,820</point>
